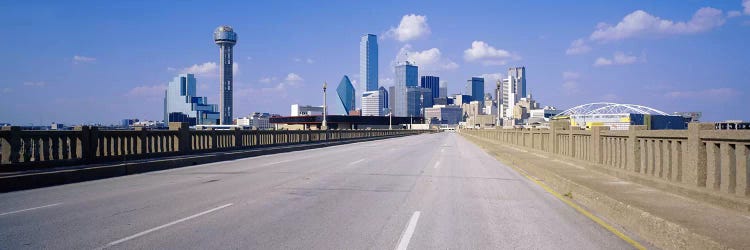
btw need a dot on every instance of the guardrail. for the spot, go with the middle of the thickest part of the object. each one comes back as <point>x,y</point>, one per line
<point>21,149</point>
<point>714,161</point>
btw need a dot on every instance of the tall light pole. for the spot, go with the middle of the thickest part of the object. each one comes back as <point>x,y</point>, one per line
<point>421,104</point>
<point>499,99</point>
<point>390,119</point>
<point>325,107</point>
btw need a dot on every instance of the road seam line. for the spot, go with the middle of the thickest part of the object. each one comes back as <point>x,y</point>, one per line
<point>403,243</point>
<point>29,209</point>
<point>437,164</point>
<point>357,161</point>
<point>163,226</point>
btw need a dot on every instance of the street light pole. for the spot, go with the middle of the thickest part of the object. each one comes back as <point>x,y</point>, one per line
<point>390,119</point>
<point>499,99</point>
<point>421,103</point>
<point>325,107</point>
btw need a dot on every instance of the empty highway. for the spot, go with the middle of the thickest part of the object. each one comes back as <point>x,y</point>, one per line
<point>419,192</point>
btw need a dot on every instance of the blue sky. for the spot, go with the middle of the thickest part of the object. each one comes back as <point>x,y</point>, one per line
<point>88,61</point>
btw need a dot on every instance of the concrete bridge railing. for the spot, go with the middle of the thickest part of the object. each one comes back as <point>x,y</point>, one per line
<point>699,158</point>
<point>21,149</point>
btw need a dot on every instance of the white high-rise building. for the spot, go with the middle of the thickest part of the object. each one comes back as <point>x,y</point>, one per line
<point>513,89</point>
<point>373,102</point>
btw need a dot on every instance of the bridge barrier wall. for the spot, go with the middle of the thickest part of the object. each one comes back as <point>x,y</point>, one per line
<point>715,162</point>
<point>21,149</point>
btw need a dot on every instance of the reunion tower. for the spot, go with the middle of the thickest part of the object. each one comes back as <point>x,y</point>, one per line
<point>225,37</point>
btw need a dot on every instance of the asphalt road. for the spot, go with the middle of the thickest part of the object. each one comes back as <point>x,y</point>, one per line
<point>418,192</point>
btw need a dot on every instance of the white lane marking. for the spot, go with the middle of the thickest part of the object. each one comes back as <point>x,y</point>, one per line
<point>355,162</point>
<point>274,163</point>
<point>163,226</point>
<point>29,209</point>
<point>403,243</point>
<point>540,155</point>
<point>437,164</point>
<point>519,150</point>
<point>569,164</point>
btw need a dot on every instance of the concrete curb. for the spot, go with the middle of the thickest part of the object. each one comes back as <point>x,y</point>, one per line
<point>66,176</point>
<point>656,230</point>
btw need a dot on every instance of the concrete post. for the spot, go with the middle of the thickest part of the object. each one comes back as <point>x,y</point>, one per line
<point>596,143</point>
<point>141,141</point>
<point>238,142</point>
<point>694,172</point>
<point>11,145</point>
<point>183,136</point>
<point>634,148</point>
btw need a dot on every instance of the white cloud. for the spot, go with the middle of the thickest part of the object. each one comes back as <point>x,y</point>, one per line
<point>570,84</point>
<point>249,58</point>
<point>83,59</point>
<point>601,61</point>
<point>6,90</point>
<point>717,93</point>
<point>569,75</point>
<point>171,69</point>
<point>208,69</point>
<point>292,77</point>
<point>310,61</point>
<point>578,47</point>
<point>619,58</point>
<point>490,79</point>
<point>35,84</point>
<point>746,5</point>
<point>411,27</point>
<point>430,60</point>
<point>147,91</point>
<point>488,55</point>
<point>640,23</point>
<point>279,89</point>
<point>733,13</point>
<point>268,79</point>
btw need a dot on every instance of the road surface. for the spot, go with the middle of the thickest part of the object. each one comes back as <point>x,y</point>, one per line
<point>417,192</point>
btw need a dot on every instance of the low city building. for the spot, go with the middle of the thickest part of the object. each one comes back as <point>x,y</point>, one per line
<point>443,114</point>
<point>306,110</point>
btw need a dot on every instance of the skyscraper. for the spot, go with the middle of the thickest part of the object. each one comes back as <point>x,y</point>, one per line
<point>387,102</point>
<point>368,62</point>
<point>406,76</point>
<point>513,89</point>
<point>432,83</point>
<point>443,89</point>
<point>373,102</point>
<point>475,88</point>
<point>181,103</point>
<point>345,90</point>
<point>225,37</point>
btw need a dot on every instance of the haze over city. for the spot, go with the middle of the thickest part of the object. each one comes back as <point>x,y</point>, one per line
<point>87,62</point>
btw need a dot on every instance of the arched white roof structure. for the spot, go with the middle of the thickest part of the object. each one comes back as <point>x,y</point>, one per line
<point>599,108</point>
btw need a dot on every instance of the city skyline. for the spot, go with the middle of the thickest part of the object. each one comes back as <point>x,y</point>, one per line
<point>678,67</point>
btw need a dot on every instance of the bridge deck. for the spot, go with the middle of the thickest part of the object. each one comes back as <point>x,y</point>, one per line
<point>421,192</point>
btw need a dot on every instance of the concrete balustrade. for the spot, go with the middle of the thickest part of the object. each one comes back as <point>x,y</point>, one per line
<point>700,157</point>
<point>38,149</point>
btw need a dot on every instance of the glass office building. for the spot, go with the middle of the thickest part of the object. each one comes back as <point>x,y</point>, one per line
<point>432,83</point>
<point>346,94</point>
<point>475,88</point>
<point>406,76</point>
<point>182,105</point>
<point>368,62</point>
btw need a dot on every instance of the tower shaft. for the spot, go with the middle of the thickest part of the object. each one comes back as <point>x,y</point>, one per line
<point>225,78</point>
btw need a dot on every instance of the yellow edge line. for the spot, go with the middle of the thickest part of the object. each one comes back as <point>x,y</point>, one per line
<point>583,211</point>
